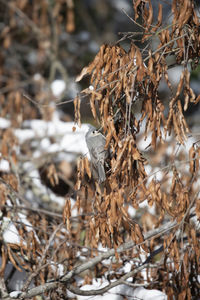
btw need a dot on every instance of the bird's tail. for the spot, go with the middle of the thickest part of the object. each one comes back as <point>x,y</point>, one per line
<point>101,172</point>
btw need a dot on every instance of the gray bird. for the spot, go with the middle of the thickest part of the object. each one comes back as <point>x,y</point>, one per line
<point>96,145</point>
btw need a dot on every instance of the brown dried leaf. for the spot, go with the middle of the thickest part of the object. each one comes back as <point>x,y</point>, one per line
<point>119,155</point>
<point>3,260</point>
<point>92,105</point>
<point>111,125</point>
<point>197,100</point>
<point>87,167</point>
<point>150,15</point>
<point>192,154</point>
<point>159,15</point>
<point>77,115</point>
<point>67,213</point>
<point>136,4</point>
<point>140,65</point>
<point>88,70</point>
<point>84,72</point>
<point>70,26</point>
<point>180,85</point>
<point>197,210</point>
<point>135,153</point>
<point>52,175</point>
<point>153,139</point>
<point>12,259</point>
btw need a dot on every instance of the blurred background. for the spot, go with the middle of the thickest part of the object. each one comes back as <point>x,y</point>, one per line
<point>45,44</point>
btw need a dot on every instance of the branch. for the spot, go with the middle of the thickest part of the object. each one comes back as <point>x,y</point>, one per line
<point>94,261</point>
<point>101,291</point>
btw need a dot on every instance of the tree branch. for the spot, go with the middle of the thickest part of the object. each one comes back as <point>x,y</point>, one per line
<point>94,261</point>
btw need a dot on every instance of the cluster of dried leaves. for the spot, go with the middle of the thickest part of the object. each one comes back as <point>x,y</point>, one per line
<point>121,81</point>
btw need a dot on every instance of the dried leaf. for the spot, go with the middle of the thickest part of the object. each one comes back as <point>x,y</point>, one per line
<point>191,159</point>
<point>87,167</point>
<point>12,259</point>
<point>77,115</point>
<point>3,260</point>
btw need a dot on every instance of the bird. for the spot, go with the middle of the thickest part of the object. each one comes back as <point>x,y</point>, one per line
<point>96,141</point>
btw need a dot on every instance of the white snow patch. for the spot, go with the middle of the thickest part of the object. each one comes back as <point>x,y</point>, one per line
<point>9,203</point>
<point>37,77</point>
<point>143,144</point>
<point>148,169</point>
<point>10,232</point>
<point>57,199</point>
<point>24,134</point>
<point>4,123</point>
<point>151,209</point>
<point>127,267</point>
<point>67,140</point>
<point>118,292</point>
<point>74,210</point>
<point>58,87</point>
<point>144,294</point>
<point>45,144</point>
<point>101,248</point>
<point>4,165</point>
<point>15,294</point>
<point>57,268</point>
<point>131,211</point>
<point>157,174</point>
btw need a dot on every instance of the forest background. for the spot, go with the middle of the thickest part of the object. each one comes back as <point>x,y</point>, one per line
<point>63,235</point>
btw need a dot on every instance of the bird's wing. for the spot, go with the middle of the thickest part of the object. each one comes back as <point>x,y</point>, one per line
<point>93,155</point>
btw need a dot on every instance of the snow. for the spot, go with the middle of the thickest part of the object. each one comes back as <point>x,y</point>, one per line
<point>45,144</point>
<point>131,211</point>
<point>4,165</point>
<point>118,292</point>
<point>9,203</point>
<point>10,232</point>
<point>57,268</point>
<point>15,294</point>
<point>74,211</point>
<point>127,267</point>
<point>157,174</point>
<point>143,144</point>
<point>23,135</point>
<point>67,140</point>
<point>4,123</point>
<point>151,209</point>
<point>68,144</point>
<point>145,294</point>
<point>37,77</point>
<point>58,87</point>
<point>57,199</point>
